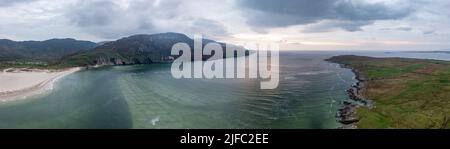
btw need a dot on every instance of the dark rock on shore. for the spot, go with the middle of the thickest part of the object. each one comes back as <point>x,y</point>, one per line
<point>347,114</point>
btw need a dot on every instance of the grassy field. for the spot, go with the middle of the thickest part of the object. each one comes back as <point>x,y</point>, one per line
<point>408,93</point>
<point>23,64</point>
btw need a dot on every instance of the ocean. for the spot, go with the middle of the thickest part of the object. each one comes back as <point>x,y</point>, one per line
<point>310,92</point>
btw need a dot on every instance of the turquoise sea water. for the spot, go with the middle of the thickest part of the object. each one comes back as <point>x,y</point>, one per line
<point>147,96</point>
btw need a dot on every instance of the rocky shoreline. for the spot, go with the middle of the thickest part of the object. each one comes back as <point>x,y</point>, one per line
<point>347,114</point>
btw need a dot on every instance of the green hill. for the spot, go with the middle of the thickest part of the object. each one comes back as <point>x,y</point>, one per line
<point>38,53</point>
<point>41,50</point>
<point>408,93</point>
<point>137,49</point>
<point>60,53</point>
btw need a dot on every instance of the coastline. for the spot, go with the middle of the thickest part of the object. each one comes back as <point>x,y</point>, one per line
<point>18,84</point>
<point>402,92</point>
<point>347,114</point>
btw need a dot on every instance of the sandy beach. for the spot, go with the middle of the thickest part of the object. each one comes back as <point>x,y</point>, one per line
<point>21,83</point>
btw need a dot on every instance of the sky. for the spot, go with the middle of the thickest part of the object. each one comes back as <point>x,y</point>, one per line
<point>294,24</point>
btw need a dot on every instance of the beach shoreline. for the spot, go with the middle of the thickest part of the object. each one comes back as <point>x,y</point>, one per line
<point>17,84</point>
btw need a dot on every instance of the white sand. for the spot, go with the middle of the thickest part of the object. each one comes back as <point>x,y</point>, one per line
<point>17,84</point>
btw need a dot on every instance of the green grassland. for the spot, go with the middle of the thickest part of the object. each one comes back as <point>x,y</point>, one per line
<point>408,93</point>
<point>24,64</point>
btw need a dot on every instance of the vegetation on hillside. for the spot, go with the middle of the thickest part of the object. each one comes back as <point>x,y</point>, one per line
<point>61,53</point>
<point>41,50</point>
<point>38,54</point>
<point>408,93</point>
<point>137,49</point>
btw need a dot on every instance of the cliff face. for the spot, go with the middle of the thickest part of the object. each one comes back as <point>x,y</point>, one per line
<point>138,59</point>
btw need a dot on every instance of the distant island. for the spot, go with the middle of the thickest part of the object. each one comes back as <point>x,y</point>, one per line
<point>396,93</point>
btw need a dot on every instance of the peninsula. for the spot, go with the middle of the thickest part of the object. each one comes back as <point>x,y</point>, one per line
<point>397,93</point>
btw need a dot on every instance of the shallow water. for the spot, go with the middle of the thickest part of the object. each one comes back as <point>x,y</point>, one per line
<point>147,96</point>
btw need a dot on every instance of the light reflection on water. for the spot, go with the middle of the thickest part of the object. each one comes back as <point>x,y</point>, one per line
<point>146,96</point>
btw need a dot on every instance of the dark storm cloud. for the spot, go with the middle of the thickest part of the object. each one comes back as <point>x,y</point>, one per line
<point>107,19</point>
<point>94,14</point>
<point>399,29</point>
<point>282,13</point>
<point>208,27</point>
<point>327,26</point>
<point>428,32</point>
<point>404,28</point>
<point>4,3</point>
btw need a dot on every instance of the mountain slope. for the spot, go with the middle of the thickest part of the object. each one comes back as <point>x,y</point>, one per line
<point>41,50</point>
<point>137,49</point>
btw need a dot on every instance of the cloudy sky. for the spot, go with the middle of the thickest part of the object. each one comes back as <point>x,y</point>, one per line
<point>295,24</point>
